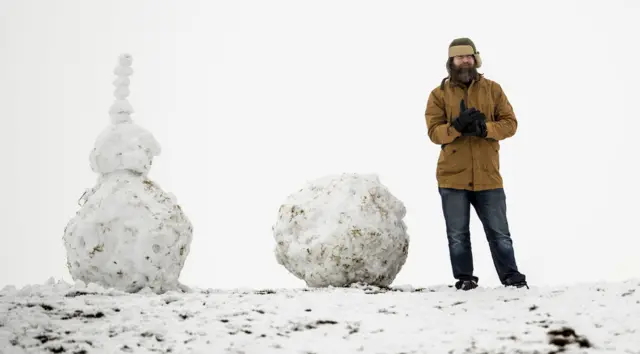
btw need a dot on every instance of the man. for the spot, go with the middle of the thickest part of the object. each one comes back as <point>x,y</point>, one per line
<point>468,115</point>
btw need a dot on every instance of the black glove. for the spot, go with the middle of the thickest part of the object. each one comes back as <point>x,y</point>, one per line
<point>465,117</point>
<point>478,127</point>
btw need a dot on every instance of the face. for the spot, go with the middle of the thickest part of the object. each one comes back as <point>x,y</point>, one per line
<point>463,68</point>
<point>464,61</point>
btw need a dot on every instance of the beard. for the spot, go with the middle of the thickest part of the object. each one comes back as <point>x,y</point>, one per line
<point>463,74</point>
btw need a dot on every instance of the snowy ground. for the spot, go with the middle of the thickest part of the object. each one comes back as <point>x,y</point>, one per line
<point>59,318</point>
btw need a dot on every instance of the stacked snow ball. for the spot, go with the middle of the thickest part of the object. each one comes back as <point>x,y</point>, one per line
<point>341,230</point>
<point>124,146</point>
<point>129,235</point>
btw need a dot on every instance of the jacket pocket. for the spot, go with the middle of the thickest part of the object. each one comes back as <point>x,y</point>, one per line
<point>451,160</point>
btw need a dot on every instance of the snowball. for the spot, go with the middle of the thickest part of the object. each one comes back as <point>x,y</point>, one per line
<point>121,106</point>
<point>122,81</point>
<point>342,230</point>
<point>125,59</point>
<point>128,235</point>
<point>123,71</point>
<point>124,146</point>
<point>121,92</point>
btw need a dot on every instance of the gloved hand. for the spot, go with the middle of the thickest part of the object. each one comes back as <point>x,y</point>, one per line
<point>465,117</point>
<point>478,126</point>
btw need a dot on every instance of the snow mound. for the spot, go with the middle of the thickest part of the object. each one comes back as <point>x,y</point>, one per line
<point>129,234</point>
<point>341,230</point>
<point>85,318</point>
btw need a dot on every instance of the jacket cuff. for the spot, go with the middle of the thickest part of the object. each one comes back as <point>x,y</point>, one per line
<point>453,132</point>
<point>491,131</point>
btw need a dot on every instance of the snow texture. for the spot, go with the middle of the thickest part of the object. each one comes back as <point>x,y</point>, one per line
<point>129,233</point>
<point>60,318</point>
<point>341,230</point>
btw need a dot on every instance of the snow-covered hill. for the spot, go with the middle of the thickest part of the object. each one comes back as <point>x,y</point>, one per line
<point>60,318</point>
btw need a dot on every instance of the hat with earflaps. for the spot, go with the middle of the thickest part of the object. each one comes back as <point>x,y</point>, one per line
<point>464,46</point>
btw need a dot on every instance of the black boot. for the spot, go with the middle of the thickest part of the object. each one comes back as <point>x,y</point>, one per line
<point>466,284</point>
<point>518,284</point>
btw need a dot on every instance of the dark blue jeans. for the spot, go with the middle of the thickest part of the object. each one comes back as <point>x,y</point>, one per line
<point>491,208</point>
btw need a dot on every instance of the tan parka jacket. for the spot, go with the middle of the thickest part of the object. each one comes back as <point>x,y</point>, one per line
<point>469,162</point>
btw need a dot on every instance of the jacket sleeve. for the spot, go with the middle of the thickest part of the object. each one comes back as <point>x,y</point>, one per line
<point>505,124</point>
<point>438,128</point>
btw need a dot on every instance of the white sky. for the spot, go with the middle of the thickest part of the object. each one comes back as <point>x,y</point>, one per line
<point>251,99</point>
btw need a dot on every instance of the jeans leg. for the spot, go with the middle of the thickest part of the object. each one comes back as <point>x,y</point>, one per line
<point>456,209</point>
<point>491,207</point>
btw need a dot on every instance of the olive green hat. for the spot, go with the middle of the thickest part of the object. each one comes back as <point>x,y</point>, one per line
<point>464,46</point>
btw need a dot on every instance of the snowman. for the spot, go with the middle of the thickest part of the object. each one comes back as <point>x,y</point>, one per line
<point>129,234</point>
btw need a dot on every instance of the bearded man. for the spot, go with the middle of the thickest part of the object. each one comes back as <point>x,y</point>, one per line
<point>468,115</point>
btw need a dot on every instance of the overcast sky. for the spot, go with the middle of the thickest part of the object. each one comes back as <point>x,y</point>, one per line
<point>250,99</point>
